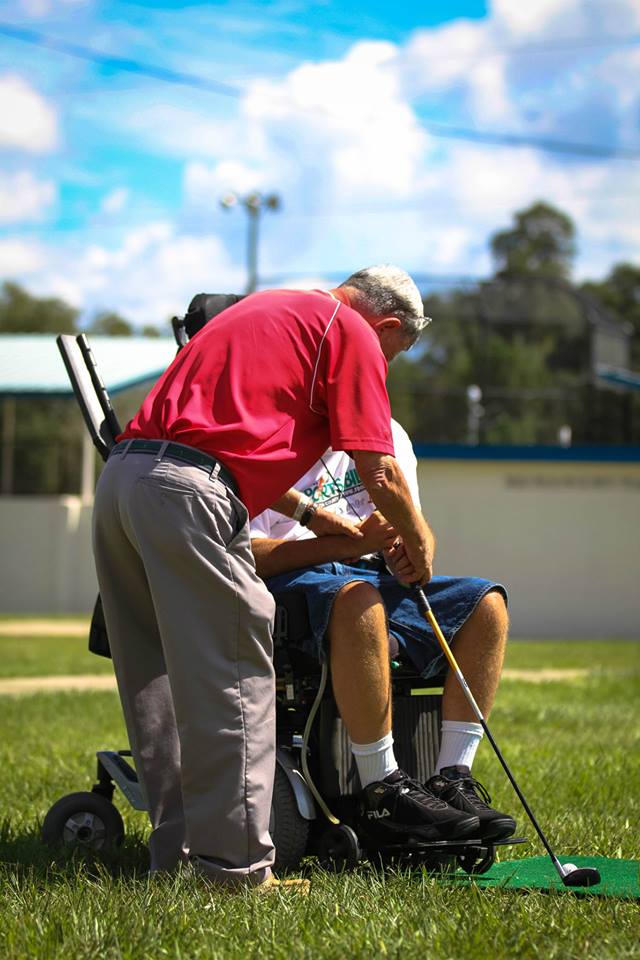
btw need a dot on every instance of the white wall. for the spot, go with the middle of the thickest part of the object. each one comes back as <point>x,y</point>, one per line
<point>564,537</point>
<point>46,565</point>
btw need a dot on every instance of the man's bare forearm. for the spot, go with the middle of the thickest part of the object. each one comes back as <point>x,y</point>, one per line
<point>280,556</point>
<point>287,503</point>
<point>387,487</point>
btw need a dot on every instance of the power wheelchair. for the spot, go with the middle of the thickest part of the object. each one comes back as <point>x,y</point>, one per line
<point>314,807</point>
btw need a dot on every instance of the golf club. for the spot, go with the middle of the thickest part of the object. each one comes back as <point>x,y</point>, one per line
<point>570,875</point>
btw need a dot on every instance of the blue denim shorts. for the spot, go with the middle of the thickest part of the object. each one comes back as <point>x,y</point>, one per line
<point>453,600</point>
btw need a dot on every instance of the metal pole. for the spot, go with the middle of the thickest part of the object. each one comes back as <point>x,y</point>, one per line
<point>253,204</point>
<point>253,213</point>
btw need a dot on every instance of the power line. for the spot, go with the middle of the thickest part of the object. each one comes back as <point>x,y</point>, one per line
<point>523,140</point>
<point>193,81</point>
<point>124,64</point>
<point>546,46</point>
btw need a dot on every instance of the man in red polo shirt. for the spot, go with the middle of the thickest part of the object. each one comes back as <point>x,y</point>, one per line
<point>245,409</point>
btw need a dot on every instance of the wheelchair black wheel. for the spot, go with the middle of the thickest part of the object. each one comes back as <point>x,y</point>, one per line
<point>477,862</point>
<point>338,848</point>
<point>84,820</point>
<point>289,831</point>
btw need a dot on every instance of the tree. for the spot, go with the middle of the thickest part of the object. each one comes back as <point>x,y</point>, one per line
<point>480,337</point>
<point>540,244</point>
<point>107,323</point>
<point>20,312</point>
<point>620,293</point>
<point>524,337</point>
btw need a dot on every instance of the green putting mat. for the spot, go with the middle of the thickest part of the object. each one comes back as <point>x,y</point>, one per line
<point>618,878</point>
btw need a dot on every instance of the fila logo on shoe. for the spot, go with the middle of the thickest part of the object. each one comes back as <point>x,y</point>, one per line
<point>378,814</point>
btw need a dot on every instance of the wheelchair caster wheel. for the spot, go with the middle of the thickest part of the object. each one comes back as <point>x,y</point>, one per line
<point>338,848</point>
<point>478,861</point>
<point>83,820</point>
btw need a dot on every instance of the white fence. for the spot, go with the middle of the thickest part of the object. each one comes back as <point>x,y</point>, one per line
<point>564,537</point>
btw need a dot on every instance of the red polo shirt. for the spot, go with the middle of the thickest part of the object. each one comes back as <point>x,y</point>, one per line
<point>268,385</point>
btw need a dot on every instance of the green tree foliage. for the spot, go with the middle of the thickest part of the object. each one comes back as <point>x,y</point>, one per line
<point>620,294</point>
<point>525,338</point>
<point>150,331</point>
<point>20,312</point>
<point>110,324</point>
<point>541,243</point>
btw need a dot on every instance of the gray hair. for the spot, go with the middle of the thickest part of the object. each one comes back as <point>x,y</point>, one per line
<point>388,291</point>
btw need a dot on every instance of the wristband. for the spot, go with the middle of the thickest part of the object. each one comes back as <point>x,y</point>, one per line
<point>301,506</point>
<point>309,513</point>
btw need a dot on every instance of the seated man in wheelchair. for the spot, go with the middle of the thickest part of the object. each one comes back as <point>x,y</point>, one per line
<point>356,605</point>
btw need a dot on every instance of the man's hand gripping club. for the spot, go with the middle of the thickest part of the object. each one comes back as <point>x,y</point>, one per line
<point>410,558</point>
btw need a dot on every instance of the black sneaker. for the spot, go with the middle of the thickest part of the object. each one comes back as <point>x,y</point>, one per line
<point>457,787</point>
<point>398,808</point>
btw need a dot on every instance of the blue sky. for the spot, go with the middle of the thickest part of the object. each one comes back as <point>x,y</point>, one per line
<point>111,178</point>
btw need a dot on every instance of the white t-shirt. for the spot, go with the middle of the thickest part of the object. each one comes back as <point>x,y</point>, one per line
<point>333,483</point>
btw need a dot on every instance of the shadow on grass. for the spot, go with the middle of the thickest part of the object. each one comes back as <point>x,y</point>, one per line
<point>24,853</point>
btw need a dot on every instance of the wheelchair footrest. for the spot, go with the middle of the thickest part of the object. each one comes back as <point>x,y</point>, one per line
<point>124,776</point>
<point>452,847</point>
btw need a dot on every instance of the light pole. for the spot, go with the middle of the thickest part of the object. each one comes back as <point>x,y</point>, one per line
<point>253,203</point>
<point>474,413</point>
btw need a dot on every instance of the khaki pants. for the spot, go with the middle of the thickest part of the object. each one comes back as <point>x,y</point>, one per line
<point>189,624</point>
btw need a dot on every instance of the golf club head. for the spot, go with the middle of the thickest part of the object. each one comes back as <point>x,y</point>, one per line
<point>581,877</point>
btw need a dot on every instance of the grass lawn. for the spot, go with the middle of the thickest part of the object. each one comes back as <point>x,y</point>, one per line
<point>572,745</point>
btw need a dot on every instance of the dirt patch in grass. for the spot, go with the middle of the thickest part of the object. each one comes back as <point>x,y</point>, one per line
<point>545,674</point>
<point>20,685</point>
<point>44,628</point>
<point>17,686</point>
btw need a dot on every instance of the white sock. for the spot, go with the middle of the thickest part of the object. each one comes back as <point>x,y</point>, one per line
<point>375,761</point>
<point>460,740</point>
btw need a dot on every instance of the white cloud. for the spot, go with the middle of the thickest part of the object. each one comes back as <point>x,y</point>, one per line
<point>153,273</point>
<point>20,258</point>
<point>362,179</point>
<point>343,126</point>
<point>115,201</point>
<point>436,59</point>
<point>28,122</point>
<point>204,185</point>
<point>24,198</point>
<point>521,20</point>
<point>178,130</point>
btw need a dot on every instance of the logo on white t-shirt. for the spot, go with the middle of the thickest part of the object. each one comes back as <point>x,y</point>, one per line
<point>328,489</point>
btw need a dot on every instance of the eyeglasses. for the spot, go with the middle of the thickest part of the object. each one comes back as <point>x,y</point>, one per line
<point>416,337</point>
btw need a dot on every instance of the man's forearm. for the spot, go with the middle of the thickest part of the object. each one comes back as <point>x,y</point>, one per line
<point>287,503</point>
<point>387,487</point>
<point>280,556</point>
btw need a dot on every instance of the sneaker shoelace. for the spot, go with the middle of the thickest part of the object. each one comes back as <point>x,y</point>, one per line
<point>471,788</point>
<point>407,785</point>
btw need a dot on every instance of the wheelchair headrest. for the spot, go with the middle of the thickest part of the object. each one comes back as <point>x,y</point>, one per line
<point>202,308</point>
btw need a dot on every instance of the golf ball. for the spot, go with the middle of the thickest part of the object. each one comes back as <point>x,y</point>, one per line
<point>568,867</point>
